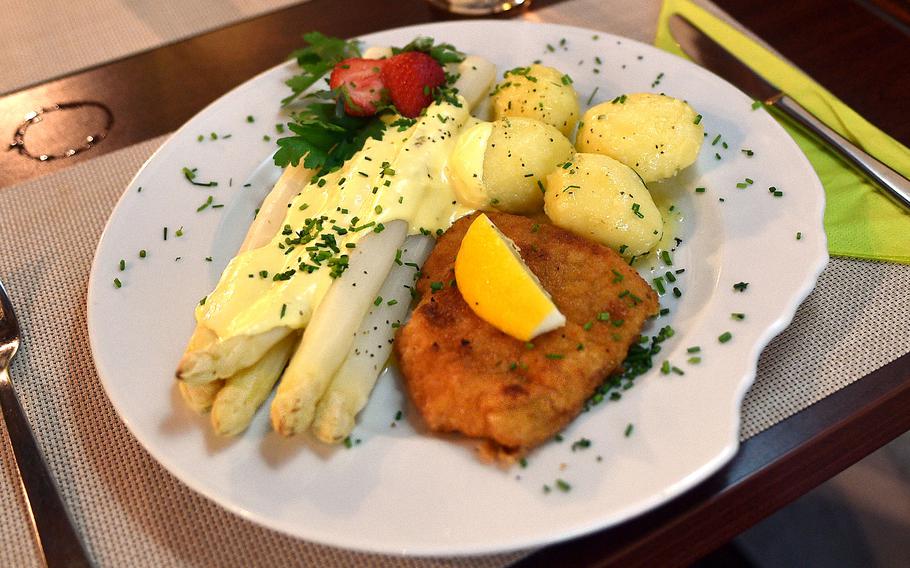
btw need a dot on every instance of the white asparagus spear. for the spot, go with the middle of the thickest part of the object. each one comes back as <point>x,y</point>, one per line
<point>266,224</point>
<point>377,52</point>
<point>351,386</point>
<point>224,358</point>
<point>274,207</point>
<point>330,333</point>
<point>200,397</point>
<point>476,75</point>
<point>237,402</point>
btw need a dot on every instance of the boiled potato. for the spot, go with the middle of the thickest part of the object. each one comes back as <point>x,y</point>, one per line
<point>501,165</point>
<point>599,198</point>
<point>465,167</point>
<point>538,92</point>
<point>520,153</point>
<point>656,135</point>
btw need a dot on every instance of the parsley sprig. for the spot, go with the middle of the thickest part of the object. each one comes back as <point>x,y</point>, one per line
<point>325,136</point>
<point>442,52</point>
<point>316,59</point>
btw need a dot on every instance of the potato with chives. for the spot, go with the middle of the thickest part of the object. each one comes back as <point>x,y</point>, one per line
<point>501,165</point>
<point>655,135</point>
<point>521,152</point>
<point>599,198</point>
<point>538,92</point>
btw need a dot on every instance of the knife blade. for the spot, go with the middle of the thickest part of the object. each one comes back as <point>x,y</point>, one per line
<point>715,58</point>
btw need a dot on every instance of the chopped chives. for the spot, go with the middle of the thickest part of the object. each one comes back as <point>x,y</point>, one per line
<point>716,140</point>
<point>122,265</point>
<point>694,349</point>
<point>591,98</point>
<point>738,316</point>
<point>665,368</point>
<point>659,285</point>
<point>377,301</point>
<point>694,360</point>
<point>756,105</point>
<point>631,427</point>
<point>117,283</point>
<point>563,486</point>
<point>206,204</point>
<point>670,276</point>
<point>284,308</point>
<point>555,356</point>
<point>665,256</point>
<point>436,286</point>
<point>725,337</point>
<point>677,292</point>
<point>697,119</point>
<point>581,444</point>
<point>799,236</point>
<point>699,190</point>
<point>741,286</point>
<point>588,326</point>
<point>142,253</point>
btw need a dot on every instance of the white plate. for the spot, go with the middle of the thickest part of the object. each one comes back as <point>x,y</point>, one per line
<point>399,491</point>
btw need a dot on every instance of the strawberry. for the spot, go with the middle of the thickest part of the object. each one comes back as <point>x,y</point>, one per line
<point>410,78</point>
<point>360,83</point>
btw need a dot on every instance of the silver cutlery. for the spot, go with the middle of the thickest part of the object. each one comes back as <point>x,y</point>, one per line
<point>57,538</point>
<point>715,57</point>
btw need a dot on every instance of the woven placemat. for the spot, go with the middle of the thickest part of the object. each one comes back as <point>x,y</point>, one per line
<point>133,513</point>
<point>43,39</point>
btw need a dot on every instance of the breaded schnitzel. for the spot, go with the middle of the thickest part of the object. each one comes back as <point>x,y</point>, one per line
<point>464,375</point>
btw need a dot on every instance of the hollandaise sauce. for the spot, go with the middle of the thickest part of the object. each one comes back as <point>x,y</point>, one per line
<point>403,176</point>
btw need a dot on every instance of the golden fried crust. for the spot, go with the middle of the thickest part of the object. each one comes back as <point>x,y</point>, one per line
<point>464,375</point>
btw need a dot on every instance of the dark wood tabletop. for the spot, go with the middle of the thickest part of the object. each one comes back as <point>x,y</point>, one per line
<point>858,49</point>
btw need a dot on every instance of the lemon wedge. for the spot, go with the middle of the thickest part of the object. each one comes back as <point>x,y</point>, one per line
<point>500,288</point>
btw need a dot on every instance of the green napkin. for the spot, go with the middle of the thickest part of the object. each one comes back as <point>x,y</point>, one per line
<point>860,220</point>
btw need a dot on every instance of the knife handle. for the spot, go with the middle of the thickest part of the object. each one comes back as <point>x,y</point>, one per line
<point>57,537</point>
<point>892,182</point>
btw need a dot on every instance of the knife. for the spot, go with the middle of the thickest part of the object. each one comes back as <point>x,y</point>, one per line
<point>715,57</point>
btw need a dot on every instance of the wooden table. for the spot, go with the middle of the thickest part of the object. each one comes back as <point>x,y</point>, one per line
<point>858,49</point>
